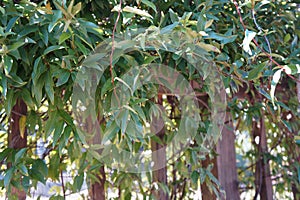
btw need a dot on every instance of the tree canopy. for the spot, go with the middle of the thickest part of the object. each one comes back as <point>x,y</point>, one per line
<point>147,99</point>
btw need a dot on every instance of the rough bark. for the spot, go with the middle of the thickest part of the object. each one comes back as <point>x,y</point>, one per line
<point>227,171</point>
<point>263,180</point>
<point>159,157</point>
<point>15,139</point>
<point>206,193</point>
<point>97,188</point>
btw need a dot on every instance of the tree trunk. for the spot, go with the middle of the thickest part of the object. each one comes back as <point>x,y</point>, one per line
<point>263,180</point>
<point>227,171</point>
<point>16,139</point>
<point>96,189</point>
<point>159,157</point>
<point>206,193</point>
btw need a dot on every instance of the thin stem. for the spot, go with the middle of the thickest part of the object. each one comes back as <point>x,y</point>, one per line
<point>63,184</point>
<point>256,43</point>
<point>260,30</point>
<point>113,42</point>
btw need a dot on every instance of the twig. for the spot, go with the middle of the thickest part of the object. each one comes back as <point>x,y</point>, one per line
<point>260,30</point>
<point>63,184</point>
<point>113,43</point>
<point>256,43</point>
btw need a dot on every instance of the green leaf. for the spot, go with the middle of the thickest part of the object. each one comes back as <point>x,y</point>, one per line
<point>8,63</point>
<point>58,132</point>
<point>256,72</point>
<point>41,165</point>
<point>52,48</point>
<point>44,35</point>
<point>37,89</point>
<point>4,84</point>
<point>15,46</point>
<point>137,11</point>
<point>78,181</point>
<point>169,28</point>
<point>287,125</point>
<point>39,171</point>
<point>81,47</point>
<point>80,136</point>
<point>59,197</point>
<point>150,4</point>
<point>20,154</point>
<point>287,38</point>
<point>64,36</point>
<point>2,10</point>
<point>222,38</point>
<point>23,169</point>
<point>209,47</point>
<point>50,123</point>
<point>11,23</point>
<point>8,175</point>
<point>16,81</point>
<point>110,132</point>
<point>26,96</point>
<point>27,30</point>
<point>49,87</point>
<point>64,138</point>
<point>174,16</point>
<point>92,60</point>
<point>66,116</point>
<point>63,77</point>
<point>10,101</point>
<point>195,177</point>
<point>124,120</point>
<point>4,154</point>
<point>54,166</point>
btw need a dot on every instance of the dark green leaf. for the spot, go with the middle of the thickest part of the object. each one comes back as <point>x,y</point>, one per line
<point>49,87</point>
<point>8,176</point>
<point>52,48</point>
<point>63,77</point>
<point>20,154</point>
<point>64,36</point>
<point>256,72</point>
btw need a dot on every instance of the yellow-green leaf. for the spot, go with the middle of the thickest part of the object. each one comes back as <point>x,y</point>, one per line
<point>137,11</point>
<point>22,125</point>
<point>209,47</point>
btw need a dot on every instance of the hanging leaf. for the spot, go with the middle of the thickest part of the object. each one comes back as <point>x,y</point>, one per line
<point>22,125</point>
<point>249,35</point>
<point>255,73</point>
<point>275,80</point>
<point>137,11</point>
<point>52,48</point>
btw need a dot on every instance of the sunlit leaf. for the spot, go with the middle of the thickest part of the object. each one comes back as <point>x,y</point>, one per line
<point>249,36</point>
<point>137,11</point>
